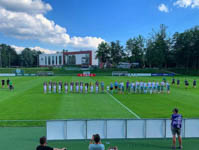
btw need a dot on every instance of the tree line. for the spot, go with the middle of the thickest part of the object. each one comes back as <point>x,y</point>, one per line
<point>10,58</point>
<point>159,50</point>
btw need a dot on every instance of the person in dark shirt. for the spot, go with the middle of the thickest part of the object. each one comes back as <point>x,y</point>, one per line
<point>178,82</point>
<point>43,145</point>
<point>194,84</point>
<point>186,84</point>
<point>173,81</point>
<point>8,82</point>
<point>176,125</point>
<point>2,83</point>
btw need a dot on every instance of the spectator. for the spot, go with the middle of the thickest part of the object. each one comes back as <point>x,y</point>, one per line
<point>176,124</point>
<point>95,143</point>
<point>43,145</point>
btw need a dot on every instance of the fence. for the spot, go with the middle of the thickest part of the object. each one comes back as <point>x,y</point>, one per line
<point>118,129</point>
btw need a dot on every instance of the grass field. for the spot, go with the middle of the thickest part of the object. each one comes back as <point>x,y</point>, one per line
<point>28,102</point>
<point>28,138</point>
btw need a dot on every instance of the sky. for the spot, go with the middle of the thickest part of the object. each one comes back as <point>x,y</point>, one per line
<point>54,25</point>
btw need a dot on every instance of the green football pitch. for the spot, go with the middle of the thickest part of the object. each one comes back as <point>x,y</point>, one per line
<point>27,138</point>
<point>28,102</point>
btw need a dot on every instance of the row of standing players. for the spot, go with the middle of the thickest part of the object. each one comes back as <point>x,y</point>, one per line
<point>7,82</point>
<point>118,87</point>
<point>186,83</point>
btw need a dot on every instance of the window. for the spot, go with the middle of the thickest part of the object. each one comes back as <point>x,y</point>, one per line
<point>45,60</point>
<point>56,60</point>
<point>86,59</point>
<point>53,60</point>
<point>60,60</point>
<point>71,60</point>
<point>49,60</point>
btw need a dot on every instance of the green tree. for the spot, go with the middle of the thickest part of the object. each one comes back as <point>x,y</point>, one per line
<point>117,52</point>
<point>103,52</point>
<point>8,56</point>
<point>158,47</point>
<point>135,49</point>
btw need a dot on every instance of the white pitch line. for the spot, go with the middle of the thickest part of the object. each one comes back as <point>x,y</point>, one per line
<point>133,113</point>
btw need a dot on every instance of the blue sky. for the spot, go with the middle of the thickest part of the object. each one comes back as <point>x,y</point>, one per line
<point>83,24</point>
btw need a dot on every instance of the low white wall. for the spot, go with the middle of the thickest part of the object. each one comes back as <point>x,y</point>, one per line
<point>118,129</point>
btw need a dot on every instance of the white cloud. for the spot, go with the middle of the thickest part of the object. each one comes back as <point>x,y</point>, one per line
<point>28,6</point>
<point>187,3</point>
<point>29,23</point>
<point>37,48</point>
<point>163,8</point>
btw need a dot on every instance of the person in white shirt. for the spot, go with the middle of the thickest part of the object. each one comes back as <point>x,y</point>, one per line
<point>77,87</point>
<point>168,87</point>
<point>91,87</point>
<point>162,86</point>
<point>86,87</point>
<point>81,87</point>
<point>45,87</point>
<point>142,87</point>
<point>50,87</point>
<point>55,87</point>
<point>157,87</point>
<point>107,88</point>
<point>153,87</point>
<point>145,87</point>
<point>122,87</point>
<point>66,87</point>
<point>137,86</point>
<point>150,87</point>
<point>59,87</point>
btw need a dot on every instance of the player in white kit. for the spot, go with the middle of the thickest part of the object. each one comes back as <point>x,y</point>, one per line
<point>77,87</point>
<point>153,87</point>
<point>55,87</point>
<point>150,87</point>
<point>60,87</point>
<point>66,87</point>
<point>91,87</point>
<point>45,87</point>
<point>81,87</point>
<point>50,87</point>
<point>86,87</point>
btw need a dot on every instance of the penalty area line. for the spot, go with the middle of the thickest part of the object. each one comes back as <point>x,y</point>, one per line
<point>130,111</point>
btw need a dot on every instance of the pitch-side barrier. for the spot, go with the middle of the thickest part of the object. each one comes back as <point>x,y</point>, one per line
<point>118,129</point>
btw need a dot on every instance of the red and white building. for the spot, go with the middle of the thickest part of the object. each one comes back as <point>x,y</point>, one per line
<point>68,58</point>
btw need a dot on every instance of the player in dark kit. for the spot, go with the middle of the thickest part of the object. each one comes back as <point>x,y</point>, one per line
<point>173,81</point>
<point>128,86</point>
<point>194,84</point>
<point>8,82</point>
<point>178,82</point>
<point>186,84</point>
<point>2,83</point>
